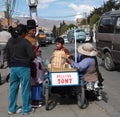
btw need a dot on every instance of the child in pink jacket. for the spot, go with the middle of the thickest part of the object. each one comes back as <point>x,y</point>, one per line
<point>36,80</point>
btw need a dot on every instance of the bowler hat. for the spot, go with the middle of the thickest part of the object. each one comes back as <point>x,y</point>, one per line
<point>31,24</point>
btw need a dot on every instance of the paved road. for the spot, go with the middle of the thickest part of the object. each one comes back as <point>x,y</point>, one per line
<point>103,108</point>
<point>61,110</point>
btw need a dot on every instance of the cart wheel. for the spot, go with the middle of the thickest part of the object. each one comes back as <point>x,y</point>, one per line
<point>82,103</point>
<point>46,92</point>
<point>81,97</point>
<point>46,96</point>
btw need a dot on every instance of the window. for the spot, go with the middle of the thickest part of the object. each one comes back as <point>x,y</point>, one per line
<point>80,30</point>
<point>118,22</point>
<point>106,25</point>
<point>117,27</point>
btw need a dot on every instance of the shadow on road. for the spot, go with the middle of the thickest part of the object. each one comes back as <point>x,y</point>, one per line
<point>117,68</point>
<point>104,94</point>
<point>57,99</point>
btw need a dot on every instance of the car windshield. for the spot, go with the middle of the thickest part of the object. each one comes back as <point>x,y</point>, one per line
<point>48,35</point>
<point>41,31</point>
<point>80,31</point>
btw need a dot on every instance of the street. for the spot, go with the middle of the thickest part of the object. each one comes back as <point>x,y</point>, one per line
<point>108,107</point>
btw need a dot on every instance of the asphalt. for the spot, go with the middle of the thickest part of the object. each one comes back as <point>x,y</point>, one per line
<point>99,109</point>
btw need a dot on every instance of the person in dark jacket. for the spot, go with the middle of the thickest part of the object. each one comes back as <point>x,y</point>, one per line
<point>20,55</point>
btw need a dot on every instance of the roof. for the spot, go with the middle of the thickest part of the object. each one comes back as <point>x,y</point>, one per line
<point>113,13</point>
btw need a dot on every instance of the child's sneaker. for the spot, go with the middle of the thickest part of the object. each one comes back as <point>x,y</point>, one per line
<point>37,106</point>
<point>19,110</point>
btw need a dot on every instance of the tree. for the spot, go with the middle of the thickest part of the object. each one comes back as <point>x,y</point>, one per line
<point>83,22</point>
<point>107,6</point>
<point>64,28</point>
<point>54,31</point>
<point>71,26</point>
<point>94,19</point>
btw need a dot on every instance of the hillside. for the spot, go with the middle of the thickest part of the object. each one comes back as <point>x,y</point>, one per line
<point>45,23</point>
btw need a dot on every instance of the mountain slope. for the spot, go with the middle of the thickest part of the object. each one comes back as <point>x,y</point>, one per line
<point>45,23</point>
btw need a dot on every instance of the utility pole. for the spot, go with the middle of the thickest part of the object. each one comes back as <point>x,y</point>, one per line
<point>8,11</point>
<point>10,6</point>
<point>33,10</point>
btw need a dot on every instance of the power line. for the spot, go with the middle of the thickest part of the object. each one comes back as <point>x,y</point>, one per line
<point>59,16</point>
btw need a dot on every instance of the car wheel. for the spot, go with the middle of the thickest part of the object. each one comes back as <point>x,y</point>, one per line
<point>108,62</point>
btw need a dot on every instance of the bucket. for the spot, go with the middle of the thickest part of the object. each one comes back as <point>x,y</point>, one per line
<point>36,93</point>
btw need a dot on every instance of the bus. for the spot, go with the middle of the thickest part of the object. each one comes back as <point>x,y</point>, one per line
<point>79,33</point>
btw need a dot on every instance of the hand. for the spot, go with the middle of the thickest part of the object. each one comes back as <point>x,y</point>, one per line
<point>68,60</point>
<point>37,81</point>
<point>70,57</point>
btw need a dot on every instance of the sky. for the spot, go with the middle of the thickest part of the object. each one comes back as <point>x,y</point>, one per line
<point>57,9</point>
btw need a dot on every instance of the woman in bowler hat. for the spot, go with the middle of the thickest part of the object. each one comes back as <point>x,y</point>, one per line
<point>87,64</point>
<point>31,32</point>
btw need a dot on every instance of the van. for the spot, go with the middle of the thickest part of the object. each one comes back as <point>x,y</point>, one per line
<point>108,39</point>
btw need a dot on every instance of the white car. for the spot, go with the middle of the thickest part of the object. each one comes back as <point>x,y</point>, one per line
<point>65,39</point>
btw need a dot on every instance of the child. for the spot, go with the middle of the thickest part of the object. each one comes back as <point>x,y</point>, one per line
<point>60,45</point>
<point>60,51</point>
<point>59,56</point>
<point>36,80</point>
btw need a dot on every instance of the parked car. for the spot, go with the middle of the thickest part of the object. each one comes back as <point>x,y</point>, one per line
<point>65,39</point>
<point>48,38</point>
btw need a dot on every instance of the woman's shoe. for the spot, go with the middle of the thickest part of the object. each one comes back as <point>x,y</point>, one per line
<point>17,112</point>
<point>32,111</point>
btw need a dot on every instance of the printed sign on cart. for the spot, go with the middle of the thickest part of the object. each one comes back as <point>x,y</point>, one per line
<point>67,78</point>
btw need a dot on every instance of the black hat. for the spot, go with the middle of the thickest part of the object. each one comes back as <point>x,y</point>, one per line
<point>31,24</point>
